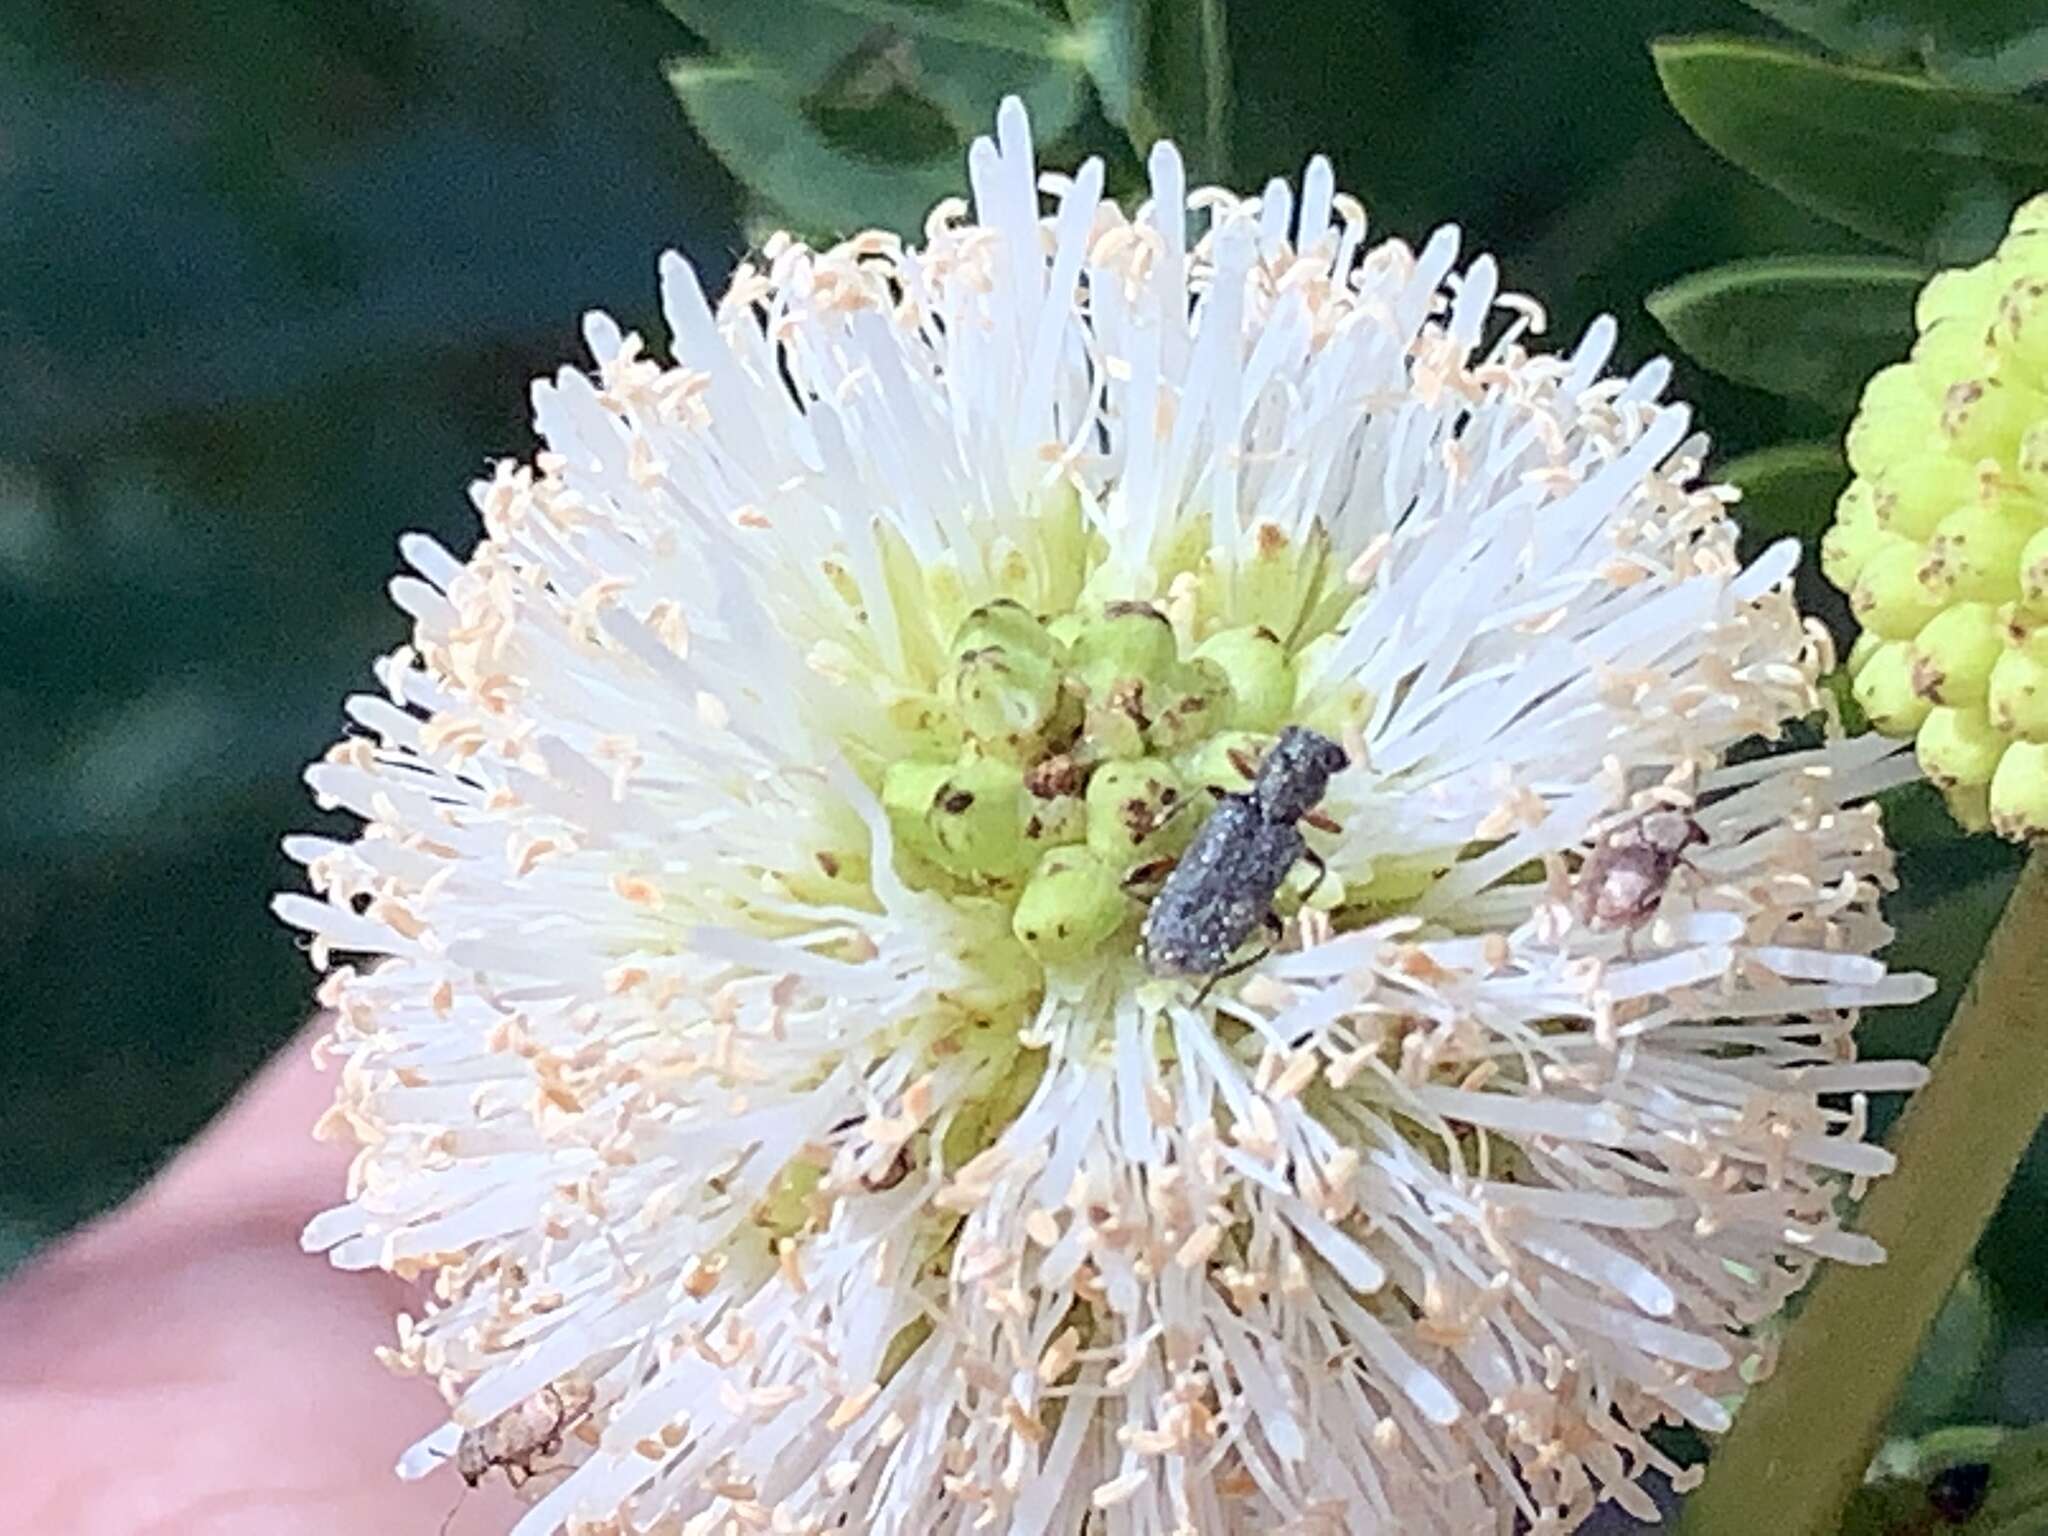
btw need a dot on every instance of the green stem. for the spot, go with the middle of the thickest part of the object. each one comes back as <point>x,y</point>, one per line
<point>1802,1442</point>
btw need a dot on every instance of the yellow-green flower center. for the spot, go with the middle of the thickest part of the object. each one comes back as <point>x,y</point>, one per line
<point>1056,744</point>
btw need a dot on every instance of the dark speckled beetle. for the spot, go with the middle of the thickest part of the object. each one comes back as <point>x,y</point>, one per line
<point>1223,886</point>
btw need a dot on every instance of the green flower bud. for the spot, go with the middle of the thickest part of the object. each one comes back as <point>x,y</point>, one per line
<point>1260,675</point>
<point>2021,330</point>
<point>1398,880</point>
<point>1953,654</point>
<point>2034,574</point>
<point>1896,411</point>
<point>2031,463</point>
<point>1961,294</point>
<point>1950,352</point>
<point>1984,417</point>
<point>1959,747</point>
<point>1114,726</point>
<point>1947,547</point>
<point>908,789</point>
<point>997,976</point>
<point>1861,649</point>
<point>1053,822</point>
<point>977,819</point>
<point>787,1207</point>
<point>1010,627</point>
<point>1319,890</point>
<point>1884,689</point>
<point>1131,810</point>
<point>1003,698</point>
<point>1072,905</point>
<point>1226,761</point>
<point>1913,495</point>
<point>1128,661</point>
<point>1269,586</point>
<point>1055,813</point>
<point>2019,791</point>
<point>2029,221</point>
<point>1125,640</point>
<point>1065,629</point>
<point>1974,554</point>
<point>1970,805</point>
<point>1888,598</point>
<point>2018,693</point>
<point>1855,536</point>
<point>1192,704</point>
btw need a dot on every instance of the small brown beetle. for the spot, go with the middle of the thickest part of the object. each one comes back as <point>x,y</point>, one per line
<point>1622,881</point>
<point>524,1433</point>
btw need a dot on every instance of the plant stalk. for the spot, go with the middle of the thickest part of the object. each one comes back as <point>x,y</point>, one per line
<point>1804,1439</point>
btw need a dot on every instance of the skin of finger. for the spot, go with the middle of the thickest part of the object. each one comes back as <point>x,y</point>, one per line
<point>181,1366</point>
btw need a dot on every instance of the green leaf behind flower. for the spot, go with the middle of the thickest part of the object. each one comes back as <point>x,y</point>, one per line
<point>1924,168</point>
<point>1162,70</point>
<point>1807,327</point>
<point>1991,45</point>
<point>1788,490</point>
<point>1004,24</point>
<point>862,116</point>
<point>1915,1488</point>
<point>753,125</point>
<point>1952,1356</point>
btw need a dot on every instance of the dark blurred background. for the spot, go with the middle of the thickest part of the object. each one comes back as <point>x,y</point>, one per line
<point>274,275</point>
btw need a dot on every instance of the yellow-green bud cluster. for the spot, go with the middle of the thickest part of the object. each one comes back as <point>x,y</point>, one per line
<point>1071,756</point>
<point>1941,540</point>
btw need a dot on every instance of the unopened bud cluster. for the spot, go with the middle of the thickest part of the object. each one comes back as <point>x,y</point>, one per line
<point>1073,760</point>
<point>1941,540</point>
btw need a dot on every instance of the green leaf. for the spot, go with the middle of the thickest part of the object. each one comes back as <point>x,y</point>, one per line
<point>1992,45</point>
<point>1923,168</point>
<point>1951,1358</point>
<point>1811,327</point>
<point>986,23</point>
<point>1162,70</point>
<point>751,123</point>
<point>962,56</point>
<point>1788,491</point>
<point>862,116</point>
<point>1981,1479</point>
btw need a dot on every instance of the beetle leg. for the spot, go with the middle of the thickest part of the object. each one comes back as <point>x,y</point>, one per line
<point>1275,931</point>
<point>1322,821</point>
<point>1322,874</point>
<point>1231,970</point>
<point>1161,823</point>
<point>1148,873</point>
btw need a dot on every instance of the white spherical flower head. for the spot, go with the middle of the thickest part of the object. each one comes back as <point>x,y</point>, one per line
<point>755,1041</point>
